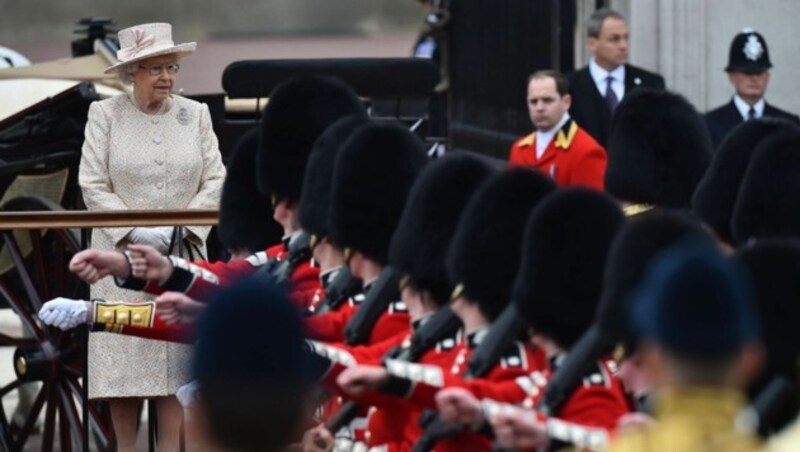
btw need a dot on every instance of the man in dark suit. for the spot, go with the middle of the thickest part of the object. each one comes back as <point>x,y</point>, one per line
<point>597,88</point>
<point>748,72</point>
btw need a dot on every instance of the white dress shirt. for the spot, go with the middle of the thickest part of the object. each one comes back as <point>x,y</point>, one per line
<point>600,76</point>
<point>543,138</point>
<point>744,107</point>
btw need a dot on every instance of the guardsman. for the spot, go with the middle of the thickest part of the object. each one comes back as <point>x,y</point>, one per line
<point>698,339</point>
<point>558,147</point>
<point>373,175</point>
<point>483,259</point>
<point>556,291</point>
<point>767,204</point>
<point>773,268</point>
<point>714,199</point>
<point>748,71</point>
<point>658,150</point>
<point>417,250</point>
<point>245,215</point>
<point>314,213</point>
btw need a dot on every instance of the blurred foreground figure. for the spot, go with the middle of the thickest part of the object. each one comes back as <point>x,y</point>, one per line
<point>699,344</point>
<point>250,366</point>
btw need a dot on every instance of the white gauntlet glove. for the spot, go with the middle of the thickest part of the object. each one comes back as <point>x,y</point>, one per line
<point>158,238</point>
<point>64,313</point>
<point>188,394</point>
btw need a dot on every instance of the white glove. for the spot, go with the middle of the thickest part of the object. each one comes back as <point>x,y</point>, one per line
<point>64,313</point>
<point>155,237</point>
<point>188,394</point>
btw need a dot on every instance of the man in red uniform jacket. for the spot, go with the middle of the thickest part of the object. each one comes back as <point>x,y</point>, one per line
<point>558,147</point>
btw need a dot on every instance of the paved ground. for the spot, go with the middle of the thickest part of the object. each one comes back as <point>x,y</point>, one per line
<point>200,74</point>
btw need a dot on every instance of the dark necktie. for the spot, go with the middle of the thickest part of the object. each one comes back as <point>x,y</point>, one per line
<point>611,97</point>
<point>751,113</point>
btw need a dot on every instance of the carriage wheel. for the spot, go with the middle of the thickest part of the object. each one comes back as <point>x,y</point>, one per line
<point>33,269</point>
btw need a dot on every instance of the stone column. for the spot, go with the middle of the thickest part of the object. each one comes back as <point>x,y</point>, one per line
<point>687,42</point>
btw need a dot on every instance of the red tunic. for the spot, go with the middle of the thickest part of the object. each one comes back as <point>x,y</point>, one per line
<point>572,158</point>
<point>329,326</point>
<point>519,360</point>
<point>200,280</point>
<point>392,423</point>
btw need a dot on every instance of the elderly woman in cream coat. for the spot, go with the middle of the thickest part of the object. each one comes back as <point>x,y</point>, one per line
<point>150,149</point>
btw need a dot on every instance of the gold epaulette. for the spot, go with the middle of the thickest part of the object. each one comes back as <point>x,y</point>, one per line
<point>121,313</point>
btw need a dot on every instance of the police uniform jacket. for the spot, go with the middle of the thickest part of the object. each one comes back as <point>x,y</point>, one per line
<point>720,121</point>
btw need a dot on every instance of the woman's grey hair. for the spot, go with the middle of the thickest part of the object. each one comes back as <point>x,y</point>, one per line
<point>125,72</point>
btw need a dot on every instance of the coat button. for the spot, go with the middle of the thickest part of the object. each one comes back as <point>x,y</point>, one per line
<point>155,120</point>
<point>157,140</point>
<point>160,185</point>
<point>159,162</point>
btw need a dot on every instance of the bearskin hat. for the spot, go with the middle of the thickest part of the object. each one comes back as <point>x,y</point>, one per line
<point>245,215</point>
<point>374,172</point>
<point>636,244</point>
<point>434,207</point>
<point>658,149</point>
<point>715,196</point>
<point>767,204</point>
<point>566,241</point>
<point>774,265</point>
<point>299,110</point>
<point>484,254</point>
<point>696,303</point>
<point>316,198</point>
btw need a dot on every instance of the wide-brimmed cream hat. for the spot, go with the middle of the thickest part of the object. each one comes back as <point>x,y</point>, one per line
<point>145,41</point>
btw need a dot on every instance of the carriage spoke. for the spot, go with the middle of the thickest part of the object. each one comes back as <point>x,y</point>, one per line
<point>70,411</point>
<point>33,415</point>
<point>10,387</point>
<point>101,430</point>
<point>49,422</point>
<point>54,357</point>
<point>24,314</point>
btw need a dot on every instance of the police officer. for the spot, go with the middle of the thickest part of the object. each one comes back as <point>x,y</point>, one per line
<point>748,72</point>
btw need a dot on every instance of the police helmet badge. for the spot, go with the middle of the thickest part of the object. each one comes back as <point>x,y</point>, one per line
<point>748,52</point>
<point>753,48</point>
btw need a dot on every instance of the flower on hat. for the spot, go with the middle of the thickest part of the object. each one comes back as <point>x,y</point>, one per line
<point>142,40</point>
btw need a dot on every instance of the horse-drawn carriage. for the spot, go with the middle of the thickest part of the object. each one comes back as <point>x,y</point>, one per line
<point>40,143</point>
<point>40,148</point>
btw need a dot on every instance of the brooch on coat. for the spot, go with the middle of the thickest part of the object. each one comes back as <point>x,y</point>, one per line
<point>183,116</point>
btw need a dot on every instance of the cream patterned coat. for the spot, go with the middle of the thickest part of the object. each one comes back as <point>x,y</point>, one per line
<point>132,160</point>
